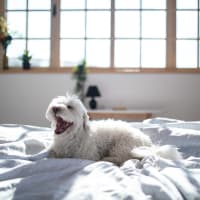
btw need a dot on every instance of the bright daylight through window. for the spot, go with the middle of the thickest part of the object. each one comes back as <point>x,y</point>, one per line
<point>108,34</point>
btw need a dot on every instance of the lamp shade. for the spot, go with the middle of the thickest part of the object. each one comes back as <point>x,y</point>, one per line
<point>93,91</point>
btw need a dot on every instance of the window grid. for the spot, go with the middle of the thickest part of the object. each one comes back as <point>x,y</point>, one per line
<point>27,38</point>
<point>196,38</point>
<point>112,37</point>
<point>86,38</point>
<point>198,35</point>
<point>142,39</point>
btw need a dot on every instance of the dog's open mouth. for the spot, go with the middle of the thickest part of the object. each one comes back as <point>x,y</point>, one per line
<point>62,125</point>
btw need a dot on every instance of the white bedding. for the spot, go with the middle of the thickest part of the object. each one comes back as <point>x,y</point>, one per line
<point>26,173</point>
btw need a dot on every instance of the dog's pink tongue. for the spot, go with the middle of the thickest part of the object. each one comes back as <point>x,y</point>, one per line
<point>60,126</point>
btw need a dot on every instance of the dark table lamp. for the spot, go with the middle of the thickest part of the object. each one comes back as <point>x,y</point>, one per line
<point>93,92</point>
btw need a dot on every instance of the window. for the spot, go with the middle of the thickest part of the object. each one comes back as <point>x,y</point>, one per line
<point>30,21</point>
<point>85,32</point>
<point>111,35</point>
<point>140,33</point>
<point>137,37</point>
<point>187,34</point>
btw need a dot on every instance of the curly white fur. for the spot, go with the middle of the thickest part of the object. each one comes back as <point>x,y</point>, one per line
<point>109,140</point>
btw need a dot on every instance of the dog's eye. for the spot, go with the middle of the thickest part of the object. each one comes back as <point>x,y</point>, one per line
<point>69,107</point>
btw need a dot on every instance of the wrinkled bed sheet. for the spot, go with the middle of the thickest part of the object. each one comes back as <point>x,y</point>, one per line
<point>27,173</point>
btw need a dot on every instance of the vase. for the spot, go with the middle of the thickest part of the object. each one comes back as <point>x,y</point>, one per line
<point>5,62</point>
<point>79,90</point>
<point>26,65</point>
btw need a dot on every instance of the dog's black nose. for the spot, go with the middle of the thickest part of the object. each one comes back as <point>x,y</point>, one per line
<point>55,109</point>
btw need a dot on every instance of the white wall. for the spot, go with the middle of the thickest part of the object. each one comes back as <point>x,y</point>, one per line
<point>25,97</point>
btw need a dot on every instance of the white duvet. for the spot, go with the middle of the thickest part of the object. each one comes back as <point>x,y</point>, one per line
<point>26,173</point>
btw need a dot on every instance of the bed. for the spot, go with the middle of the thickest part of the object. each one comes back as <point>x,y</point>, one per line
<point>27,173</point>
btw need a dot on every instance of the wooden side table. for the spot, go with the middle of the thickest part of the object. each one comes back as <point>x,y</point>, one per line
<point>129,115</point>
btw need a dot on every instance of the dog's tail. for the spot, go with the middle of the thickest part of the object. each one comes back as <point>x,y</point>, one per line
<point>166,151</point>
<point>169,152</point>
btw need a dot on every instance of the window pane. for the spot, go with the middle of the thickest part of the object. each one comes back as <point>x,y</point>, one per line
<point>127,24</point>
<point>199,24</point>
<point>98,53</point>
<point>16,5</point>
<point>186,53</point>
<point>154,4</point>
<point>127,4</point>
<point>72,4</point>
<point>71,52</point>
<point>154,24</point>
<point>15,51</point>
<point>187,24</point>
<point>199,56</point>
<point>98,24</point>
<point>40,51</point>
<point>187,4</point>
<point>127,53</point>
<point>98,4</point>
<point>39,5</point>
<point>153,53</point>
<point>73,28</point>
<point>17,23</point>
<point>37,22</point>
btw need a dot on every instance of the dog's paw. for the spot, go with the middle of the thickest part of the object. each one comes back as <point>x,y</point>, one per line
<point>52,154</point>
<point>115,160</point>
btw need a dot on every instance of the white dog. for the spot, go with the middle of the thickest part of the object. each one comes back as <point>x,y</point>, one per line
<point>115,141</point>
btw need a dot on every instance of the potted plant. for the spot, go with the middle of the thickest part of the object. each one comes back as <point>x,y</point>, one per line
<point>5,40</point>
<point>80,75</point>
<point>26,60</point>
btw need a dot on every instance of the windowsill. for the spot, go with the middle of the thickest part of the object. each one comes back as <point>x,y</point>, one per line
<point>38,70</point>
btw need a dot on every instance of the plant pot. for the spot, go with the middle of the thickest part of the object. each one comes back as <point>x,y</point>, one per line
<point>26,65</point>
<point>5,62</point>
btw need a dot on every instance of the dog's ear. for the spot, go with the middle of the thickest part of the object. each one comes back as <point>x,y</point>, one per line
<point>47,114</point>
<point>85,121</point>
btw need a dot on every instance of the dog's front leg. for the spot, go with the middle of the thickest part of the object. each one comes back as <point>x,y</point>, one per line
<point>115,160</point>
<point>52,154</point>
